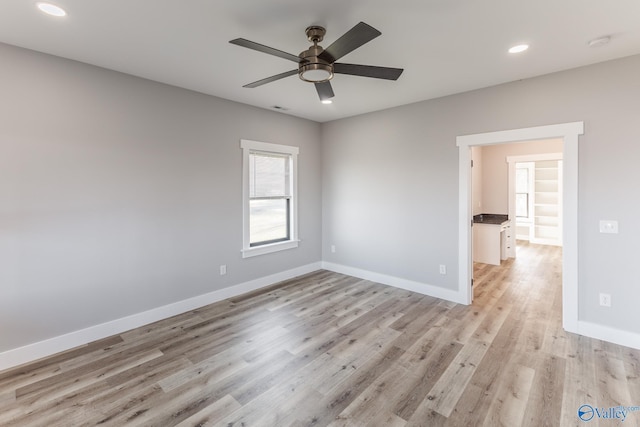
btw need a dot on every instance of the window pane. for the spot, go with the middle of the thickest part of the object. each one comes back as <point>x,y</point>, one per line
<point>522,180</point>
<point>269,220</point>
<point>269,175</point>
<point>522,205</point>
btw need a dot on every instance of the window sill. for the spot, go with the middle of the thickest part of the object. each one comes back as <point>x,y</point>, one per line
<point>267,249</point>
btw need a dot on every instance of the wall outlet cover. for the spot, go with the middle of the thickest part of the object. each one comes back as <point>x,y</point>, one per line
<point>605,300</point>
<point>609,226</point>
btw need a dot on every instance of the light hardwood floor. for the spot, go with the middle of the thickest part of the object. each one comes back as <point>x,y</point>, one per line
<point>328,349</point>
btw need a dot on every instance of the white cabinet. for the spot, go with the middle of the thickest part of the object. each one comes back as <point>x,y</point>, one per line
<point>547,203</point>
<point>491,242</point>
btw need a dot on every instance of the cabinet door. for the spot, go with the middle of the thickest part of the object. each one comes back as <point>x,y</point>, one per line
<point>486,244</point>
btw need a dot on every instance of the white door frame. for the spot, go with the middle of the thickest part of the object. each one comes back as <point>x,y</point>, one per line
<point>569,132</point>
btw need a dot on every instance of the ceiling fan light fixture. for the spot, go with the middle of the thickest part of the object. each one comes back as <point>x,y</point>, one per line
<point>311,68</point>
<point>315,72</point>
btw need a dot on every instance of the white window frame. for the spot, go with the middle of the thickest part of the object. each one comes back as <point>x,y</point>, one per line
<point>529,166</point>
<point>247,147</point>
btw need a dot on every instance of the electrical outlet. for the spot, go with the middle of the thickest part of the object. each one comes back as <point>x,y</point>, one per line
<point>605,300</point>
<point>609,226</point>
<point>333,249</point>
<point>223,270</point>
<point>443,269</point>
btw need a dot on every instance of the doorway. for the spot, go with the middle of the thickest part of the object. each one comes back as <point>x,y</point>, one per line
<point>569,132</point>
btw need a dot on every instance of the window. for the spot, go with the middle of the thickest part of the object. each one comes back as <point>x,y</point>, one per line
<point>524,172</point>
<point>269,197</point>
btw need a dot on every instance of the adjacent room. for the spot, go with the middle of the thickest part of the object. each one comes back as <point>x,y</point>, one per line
<point>265,213</point>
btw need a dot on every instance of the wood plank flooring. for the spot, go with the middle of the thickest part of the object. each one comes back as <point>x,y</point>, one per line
<point>332,350</point>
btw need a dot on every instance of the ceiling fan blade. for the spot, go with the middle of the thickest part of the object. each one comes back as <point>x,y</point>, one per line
<point>272,79</point>
<point>368,71</point>
<point>349,41</point>
<point>265,49</point>
<point>325,91</point>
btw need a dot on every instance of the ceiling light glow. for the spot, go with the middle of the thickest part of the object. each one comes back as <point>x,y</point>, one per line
<point>519,48</point>
<point>51,9</point>
<point>327,101</point>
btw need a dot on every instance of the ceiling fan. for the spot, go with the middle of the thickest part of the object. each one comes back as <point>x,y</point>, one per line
<point>317,65</point>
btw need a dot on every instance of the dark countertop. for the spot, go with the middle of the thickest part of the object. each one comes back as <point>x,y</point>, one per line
<point>494,219</point>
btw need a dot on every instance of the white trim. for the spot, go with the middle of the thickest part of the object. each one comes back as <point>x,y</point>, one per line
<point>267,249</point>
<point>247,146</point>
<point>534,157</point>
<point>268,147</point>
<point>569,132</point>
<point>522,135</point>
<point>396,282</point>
<point>38,350</point>
<point>606,333</point>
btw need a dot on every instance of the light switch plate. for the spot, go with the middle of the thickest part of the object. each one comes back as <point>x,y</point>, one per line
<point>608,226</point>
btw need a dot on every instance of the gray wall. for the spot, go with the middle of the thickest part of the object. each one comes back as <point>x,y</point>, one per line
<point>390,180</point>
<point>119,195</point>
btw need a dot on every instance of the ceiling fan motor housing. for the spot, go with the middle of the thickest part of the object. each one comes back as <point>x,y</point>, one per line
<point>311,68</point>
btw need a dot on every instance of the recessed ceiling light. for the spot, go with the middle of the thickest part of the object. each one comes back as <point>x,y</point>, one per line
<point>519,48</point>
<point>327,101</point>
<point>51,9</point>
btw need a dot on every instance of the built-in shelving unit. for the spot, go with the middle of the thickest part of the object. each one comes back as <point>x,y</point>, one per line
<point>542,183</point>
<point>547,203</point>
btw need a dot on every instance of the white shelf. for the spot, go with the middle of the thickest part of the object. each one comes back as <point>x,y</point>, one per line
<point>547,203</point>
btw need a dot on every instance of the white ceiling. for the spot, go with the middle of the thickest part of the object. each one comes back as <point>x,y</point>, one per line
<point>445,46</point>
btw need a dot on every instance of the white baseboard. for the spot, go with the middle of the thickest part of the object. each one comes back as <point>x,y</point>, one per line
<point>397,282</point>
<point>588,329</point>
<point>606,333</point>
<point>38,350</point>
